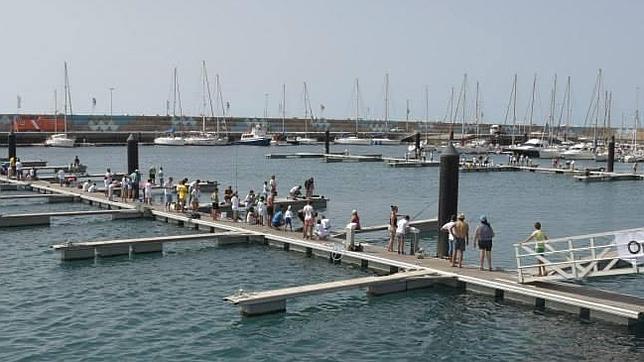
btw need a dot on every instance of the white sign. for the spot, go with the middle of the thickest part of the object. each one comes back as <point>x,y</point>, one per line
<point>630,245</point>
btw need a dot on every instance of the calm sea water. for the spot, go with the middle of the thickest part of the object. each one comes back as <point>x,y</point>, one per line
<point>170,307</point>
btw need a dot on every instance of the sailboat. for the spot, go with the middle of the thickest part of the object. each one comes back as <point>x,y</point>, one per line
<point>62,139</point>
<point>204,138</point>
<point>171,139</point>
<point>306,140</point>
<point>384,140</point>
<point>354,140</point>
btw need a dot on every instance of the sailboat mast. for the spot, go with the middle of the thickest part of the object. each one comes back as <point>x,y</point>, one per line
<point>599,92</point>
<point>174,92</point>
<point>55,110</point>
<point>477,110</point>
<point>357,104</point>
<point>306,111</point>
<point>386,101</point>
<point>534,90</point>
<point>514,107</point>
<point>67,100</point>
<point>426,110</point>
<point>283,107</point>
<point>463,110</point>
<point>203,97</point>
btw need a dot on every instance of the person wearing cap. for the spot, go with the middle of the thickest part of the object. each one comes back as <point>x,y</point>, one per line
<point>355,219</point>
<point>483,238</point>
<point>461,231</point>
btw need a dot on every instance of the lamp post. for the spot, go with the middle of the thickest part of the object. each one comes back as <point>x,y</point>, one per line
<point>111,109</point>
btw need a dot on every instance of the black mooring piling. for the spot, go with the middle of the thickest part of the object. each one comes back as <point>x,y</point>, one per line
<point>132,154</point>
<point>447,194</point>
<point>610,163</point>
<point>417,145</point>
<point>326,141</point>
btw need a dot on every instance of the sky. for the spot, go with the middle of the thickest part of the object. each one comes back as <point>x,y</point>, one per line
<point>256,46</point>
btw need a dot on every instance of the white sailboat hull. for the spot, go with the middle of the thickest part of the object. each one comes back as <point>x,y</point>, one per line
<point>205,141</point>
<point>306,141</point>
<point>169,141</point>
<point>352,141</point>
<point>577,155</point>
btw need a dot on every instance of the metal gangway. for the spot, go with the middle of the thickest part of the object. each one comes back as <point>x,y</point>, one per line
<point>581,257</point>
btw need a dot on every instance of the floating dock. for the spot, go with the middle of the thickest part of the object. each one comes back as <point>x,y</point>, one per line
<point>583,302</point>
<point>44,218</point>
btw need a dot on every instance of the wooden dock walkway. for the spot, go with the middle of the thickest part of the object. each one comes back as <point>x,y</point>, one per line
<point>586,303</point>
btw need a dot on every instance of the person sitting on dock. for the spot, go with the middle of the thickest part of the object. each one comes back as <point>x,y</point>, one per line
<point>483,238</point>
<point>278,218</point>
<point>86,185</point>
<point>168,193</point>
<point>92,188</point>
<point>295,192</point>
<point>401,231</point>
<point>323,228</point>
<point>450,236</point>
<point>540,246</point>
<point>309,220</point>
<point>461,231</point>
<point>355,219</point>
<point>288,218</point>
<point>251,216</point>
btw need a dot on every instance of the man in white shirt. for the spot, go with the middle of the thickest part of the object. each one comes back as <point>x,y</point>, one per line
<point>234,201</point>
<point>324,228</point>
<point>401,230</point>
<point>309,220</point>
<point>450,237</point>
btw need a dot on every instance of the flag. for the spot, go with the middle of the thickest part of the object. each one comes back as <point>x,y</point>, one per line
<point>19,99</point>
<point>93,101</point>
<point>322,107</point>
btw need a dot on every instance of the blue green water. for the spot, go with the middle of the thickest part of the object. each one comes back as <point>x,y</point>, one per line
<point>170,307</point>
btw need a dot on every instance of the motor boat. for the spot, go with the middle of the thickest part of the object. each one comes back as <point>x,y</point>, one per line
<point>530,148</point>
<point>579,151</point>
<point>60,140</point>
<point>256,137</point>
<point>170,140</point>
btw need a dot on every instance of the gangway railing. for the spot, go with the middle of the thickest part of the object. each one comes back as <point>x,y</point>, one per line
<point>583,256</point>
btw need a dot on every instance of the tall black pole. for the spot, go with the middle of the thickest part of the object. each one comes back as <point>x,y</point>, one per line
<point>11,142</point>
<point>610,163</point>
<point>417,145</point>
<point>447,194</point>
<point>132,154</point>
<point>326,141</point>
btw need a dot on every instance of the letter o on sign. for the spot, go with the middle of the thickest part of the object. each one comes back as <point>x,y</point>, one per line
<point>634,247</point>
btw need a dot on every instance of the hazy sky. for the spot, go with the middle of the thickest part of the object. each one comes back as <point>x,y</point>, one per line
<point>257,45</point>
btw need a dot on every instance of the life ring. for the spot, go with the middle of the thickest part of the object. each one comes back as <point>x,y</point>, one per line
<point>637,244</point>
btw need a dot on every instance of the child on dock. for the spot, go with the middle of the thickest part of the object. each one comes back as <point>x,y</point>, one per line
<point>288,218</point>
<point>540,246</point>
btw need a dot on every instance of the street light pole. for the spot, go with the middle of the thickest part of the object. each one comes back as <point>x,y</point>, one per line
<point>111,109</point>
